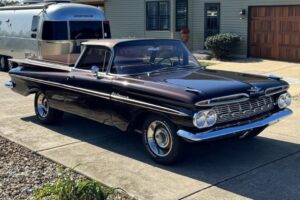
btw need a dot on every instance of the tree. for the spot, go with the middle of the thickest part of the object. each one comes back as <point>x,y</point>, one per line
<point>8,3</point>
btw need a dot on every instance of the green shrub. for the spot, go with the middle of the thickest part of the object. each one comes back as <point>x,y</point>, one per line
<point>67,188</point>
<point>222,45</point>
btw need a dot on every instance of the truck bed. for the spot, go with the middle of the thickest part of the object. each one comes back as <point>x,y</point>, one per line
<point>59,62</point>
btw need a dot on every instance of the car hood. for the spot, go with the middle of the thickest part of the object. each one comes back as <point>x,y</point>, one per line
<point>214,83</point>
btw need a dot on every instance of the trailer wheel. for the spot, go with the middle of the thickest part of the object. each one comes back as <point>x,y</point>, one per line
<point>11,65</point>
<point>3,63</point>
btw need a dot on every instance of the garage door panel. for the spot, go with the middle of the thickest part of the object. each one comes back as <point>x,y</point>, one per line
<point>275,32</point>
<point>290,53</point>
<point>258,12</point>
<point>297,11</point>
<point>289,26</point>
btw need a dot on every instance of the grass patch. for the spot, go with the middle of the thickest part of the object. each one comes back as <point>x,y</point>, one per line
<point>68,188</point>
<point>207,64</point>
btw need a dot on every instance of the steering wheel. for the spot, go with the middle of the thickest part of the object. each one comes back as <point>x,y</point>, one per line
<point>167,58</point>
<point>83,34</point>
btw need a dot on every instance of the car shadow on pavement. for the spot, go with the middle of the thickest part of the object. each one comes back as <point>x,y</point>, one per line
<point>213,162</point>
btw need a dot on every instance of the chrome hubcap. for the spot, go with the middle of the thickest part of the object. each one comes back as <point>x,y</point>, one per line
<point>42,106</point>
<point>159,138</point>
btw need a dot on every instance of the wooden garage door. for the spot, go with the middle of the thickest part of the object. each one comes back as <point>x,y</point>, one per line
<point>275,32</point>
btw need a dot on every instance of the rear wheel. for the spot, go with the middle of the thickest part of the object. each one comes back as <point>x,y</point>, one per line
<point>161,140</point>
<point>44,113</point>
<point>255,132</point>
<point>3,63</point>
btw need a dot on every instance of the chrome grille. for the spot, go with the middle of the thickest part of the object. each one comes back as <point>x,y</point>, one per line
<point>246,109</point>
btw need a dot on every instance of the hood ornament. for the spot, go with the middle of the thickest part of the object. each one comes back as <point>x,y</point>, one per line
<point>274,77</point>
<point>256,91</point>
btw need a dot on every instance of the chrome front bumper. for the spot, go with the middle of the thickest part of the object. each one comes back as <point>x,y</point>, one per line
<point>9,84</point>
<point>234,130</point>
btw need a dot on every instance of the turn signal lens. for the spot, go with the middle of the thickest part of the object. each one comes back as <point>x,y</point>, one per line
<point>205,119</point>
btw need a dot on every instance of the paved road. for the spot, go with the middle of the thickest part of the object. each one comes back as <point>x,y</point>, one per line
<point>264,168</point>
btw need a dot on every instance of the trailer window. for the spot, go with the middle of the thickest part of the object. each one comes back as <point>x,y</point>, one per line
<point>85,30</point>
<point>107,33</point>
<point>35,23</point>
<point>55,30</point>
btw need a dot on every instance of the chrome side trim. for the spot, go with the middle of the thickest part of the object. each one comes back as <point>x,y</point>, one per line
<point>276,90</point>
<point>9,84</point>
<point>113,96</point>
<point>64,86</point>
<point>236,98</point>
<point>127,100</point>
<point>234,130</point>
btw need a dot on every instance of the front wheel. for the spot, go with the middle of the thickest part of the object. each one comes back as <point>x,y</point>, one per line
<point>162,141</point>
<point>44,113</point>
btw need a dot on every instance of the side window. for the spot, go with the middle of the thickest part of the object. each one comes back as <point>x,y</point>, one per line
<point>95,56</point>
<point>35,23</point>
<point>181,14</point>
<point>106,26</point>
<point>55,30</point>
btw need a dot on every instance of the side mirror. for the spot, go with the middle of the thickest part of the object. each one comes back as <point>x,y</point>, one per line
<point>95,70</point>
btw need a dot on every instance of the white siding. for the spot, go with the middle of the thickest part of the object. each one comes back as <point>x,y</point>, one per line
<point>128,19</point>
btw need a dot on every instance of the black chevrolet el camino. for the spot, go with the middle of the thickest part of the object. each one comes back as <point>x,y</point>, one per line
<point>154,87</point>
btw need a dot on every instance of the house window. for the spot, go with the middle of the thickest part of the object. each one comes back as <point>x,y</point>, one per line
<point>157,16</point>
<point>181,14</point>
<point>212,19</point>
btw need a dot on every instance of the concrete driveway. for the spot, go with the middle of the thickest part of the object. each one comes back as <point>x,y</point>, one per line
<point>264,168</point>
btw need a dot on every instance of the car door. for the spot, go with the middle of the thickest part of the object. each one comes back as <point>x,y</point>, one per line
<point>89,94</point>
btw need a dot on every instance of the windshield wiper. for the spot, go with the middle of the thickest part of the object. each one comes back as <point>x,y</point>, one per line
<point>158,70</point>
<point>174,68</point>
<point>190,66</point>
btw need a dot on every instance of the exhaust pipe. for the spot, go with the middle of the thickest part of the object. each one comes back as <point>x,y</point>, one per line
<point>9,84</point>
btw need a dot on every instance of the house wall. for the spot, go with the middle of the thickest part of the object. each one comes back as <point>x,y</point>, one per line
<point>230,19</point>
<point>128,19</point>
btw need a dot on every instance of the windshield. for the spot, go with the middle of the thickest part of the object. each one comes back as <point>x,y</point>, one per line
<point>135,57</point>
<point>85,30</point>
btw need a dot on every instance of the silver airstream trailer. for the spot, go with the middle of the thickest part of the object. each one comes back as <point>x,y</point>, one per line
<point>48,29</point>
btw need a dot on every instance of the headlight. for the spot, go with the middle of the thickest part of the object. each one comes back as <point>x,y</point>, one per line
<point>284,100</point>
<point>205,119</point>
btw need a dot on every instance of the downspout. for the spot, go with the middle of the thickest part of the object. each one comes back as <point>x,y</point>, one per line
<point>172,18</point>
